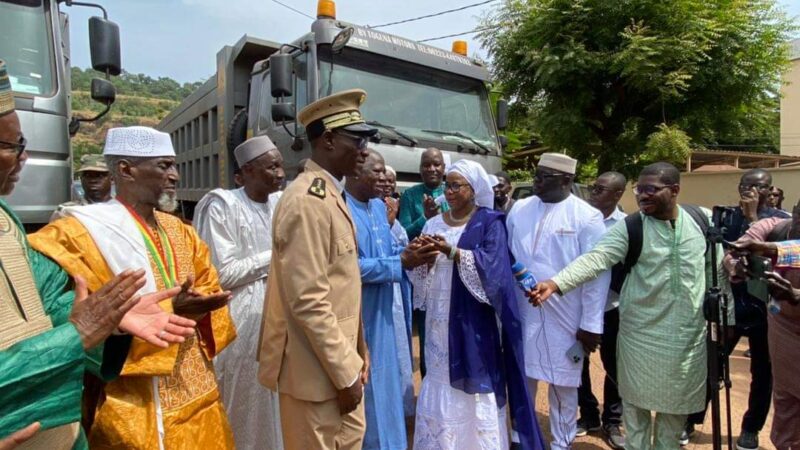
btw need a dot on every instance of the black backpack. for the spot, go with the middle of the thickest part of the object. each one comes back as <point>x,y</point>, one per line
<point>635,227</point>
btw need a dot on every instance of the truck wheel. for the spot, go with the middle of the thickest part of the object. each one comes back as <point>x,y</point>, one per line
<point>237,132</point>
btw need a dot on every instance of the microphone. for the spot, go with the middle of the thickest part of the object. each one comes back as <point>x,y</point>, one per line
<point>524,277</point>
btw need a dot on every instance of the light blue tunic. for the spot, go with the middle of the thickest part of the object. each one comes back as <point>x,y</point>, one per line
<point>379,260</point>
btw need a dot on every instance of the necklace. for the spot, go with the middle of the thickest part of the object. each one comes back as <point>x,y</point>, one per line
<point>461,220</point>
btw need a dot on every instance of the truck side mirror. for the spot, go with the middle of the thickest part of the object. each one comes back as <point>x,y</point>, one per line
<point>502,114</point>
<point>103,91</point>
<point>280,75</point>
<point>104,45</point>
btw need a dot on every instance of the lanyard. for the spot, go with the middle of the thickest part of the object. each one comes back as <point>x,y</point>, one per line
<point>163,255</point>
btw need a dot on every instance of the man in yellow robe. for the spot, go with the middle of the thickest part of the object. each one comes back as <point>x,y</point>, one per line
<point>164,398</point>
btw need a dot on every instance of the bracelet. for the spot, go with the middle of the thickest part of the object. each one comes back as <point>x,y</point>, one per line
<point>453,251</point>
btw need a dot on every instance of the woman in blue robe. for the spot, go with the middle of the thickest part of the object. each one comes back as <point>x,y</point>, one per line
<point>475,367</point>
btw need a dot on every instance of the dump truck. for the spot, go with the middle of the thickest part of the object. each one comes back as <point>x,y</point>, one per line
<point>418,96</point>
<point>34,42</point>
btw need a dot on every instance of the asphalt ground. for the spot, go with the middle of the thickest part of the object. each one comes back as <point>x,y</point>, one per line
<point>701,440</point>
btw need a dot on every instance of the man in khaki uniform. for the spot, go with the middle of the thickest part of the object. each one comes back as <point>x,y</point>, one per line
<point>312,351</point>
<point>95,181</point>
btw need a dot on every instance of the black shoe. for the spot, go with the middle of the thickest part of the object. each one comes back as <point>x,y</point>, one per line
<point>585,427</point>
<point>747,441</point>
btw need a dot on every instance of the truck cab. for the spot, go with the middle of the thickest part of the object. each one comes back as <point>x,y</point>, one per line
<point>418,96</point>
<point>34,42</point>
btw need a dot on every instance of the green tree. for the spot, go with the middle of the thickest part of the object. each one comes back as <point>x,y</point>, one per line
<point>624,81</point>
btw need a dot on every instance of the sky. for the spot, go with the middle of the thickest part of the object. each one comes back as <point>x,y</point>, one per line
<point>180,38</point>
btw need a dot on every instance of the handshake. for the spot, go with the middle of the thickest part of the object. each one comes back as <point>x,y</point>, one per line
<point>424,249</point>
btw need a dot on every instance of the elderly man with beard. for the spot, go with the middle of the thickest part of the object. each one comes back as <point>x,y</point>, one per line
<point>381,262</point>
<point>237,224</point>
<point>165,397</point>
<point>661,346</point>
<point>50,334</point>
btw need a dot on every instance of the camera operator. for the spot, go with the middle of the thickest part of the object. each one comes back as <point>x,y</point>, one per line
<point>751,313</point>
<point>764,238</point>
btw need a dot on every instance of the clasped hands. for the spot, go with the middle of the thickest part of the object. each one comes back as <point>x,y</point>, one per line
<point>116,306</point>
<point>423,250</point>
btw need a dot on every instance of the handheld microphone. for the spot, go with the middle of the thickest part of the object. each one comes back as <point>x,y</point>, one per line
<point>524,277</point>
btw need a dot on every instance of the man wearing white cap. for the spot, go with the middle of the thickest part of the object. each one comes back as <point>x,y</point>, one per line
<point>165,398</point>
<point>51,334</point>
<point>546,232</point>
<point>237,225</point>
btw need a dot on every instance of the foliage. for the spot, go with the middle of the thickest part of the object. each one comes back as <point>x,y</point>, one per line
<point>138,85</point>
<point>598,78</point>
<point>141,100</point>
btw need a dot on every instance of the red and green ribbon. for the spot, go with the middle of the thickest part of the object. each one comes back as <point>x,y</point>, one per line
<point>165,260</point>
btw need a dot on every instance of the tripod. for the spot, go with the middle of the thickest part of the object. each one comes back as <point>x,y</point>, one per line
<point>715,310</point>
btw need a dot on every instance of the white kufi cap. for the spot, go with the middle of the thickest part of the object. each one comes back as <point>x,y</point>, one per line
<point>252,149</point>
<point>558,161</point>
<point>144,142</point>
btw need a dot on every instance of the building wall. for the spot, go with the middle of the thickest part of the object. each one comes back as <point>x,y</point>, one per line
<point>790,107</point>
<point>721,188</point>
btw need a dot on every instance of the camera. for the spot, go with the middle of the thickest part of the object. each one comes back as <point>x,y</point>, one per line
<point>722,216</point>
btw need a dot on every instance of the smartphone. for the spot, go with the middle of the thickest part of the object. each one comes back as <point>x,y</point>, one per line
<point>757,265</point>
<point>756,286</point>
<point>576,353</point>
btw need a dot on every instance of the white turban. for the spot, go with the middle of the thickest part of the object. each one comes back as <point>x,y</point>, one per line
<point>477,178</point>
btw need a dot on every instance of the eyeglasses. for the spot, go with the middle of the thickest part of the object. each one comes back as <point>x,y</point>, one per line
<point>18,146</point>
<point>361,141</point>
<point>454,187</point>
<point>649,189</point>
<point>748,186</point>
<point>598,189</point>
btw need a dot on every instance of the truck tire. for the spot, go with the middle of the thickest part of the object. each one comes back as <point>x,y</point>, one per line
<point>237,132</point>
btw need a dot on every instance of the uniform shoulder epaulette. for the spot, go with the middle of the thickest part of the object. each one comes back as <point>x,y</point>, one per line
<point>317,188</point>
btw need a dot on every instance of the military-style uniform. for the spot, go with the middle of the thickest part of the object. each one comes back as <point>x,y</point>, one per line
<point>311,344</point>
<point>89,163</point>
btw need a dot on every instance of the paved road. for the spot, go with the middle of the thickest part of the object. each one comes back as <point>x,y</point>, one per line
<point>740,377</point>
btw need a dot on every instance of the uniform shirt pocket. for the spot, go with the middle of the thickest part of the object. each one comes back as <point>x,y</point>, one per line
<point>345,245</point>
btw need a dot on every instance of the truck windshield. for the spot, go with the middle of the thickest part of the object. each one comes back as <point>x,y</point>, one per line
<point>25,46</point>
<point>416,100</point>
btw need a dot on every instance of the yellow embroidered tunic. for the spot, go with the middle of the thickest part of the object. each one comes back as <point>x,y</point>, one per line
<point>187,407</point>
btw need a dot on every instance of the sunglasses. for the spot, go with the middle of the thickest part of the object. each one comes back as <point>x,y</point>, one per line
<point>546,175</point>
<point>18,146</point>
<point>361,141</point>
<point>649,189</point>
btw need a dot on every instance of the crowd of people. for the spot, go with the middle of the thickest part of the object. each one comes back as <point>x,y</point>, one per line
<point>282,316</point>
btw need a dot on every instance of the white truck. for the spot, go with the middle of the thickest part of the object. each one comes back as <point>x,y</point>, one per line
<point>34,42</point>
<point>418,96</point>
